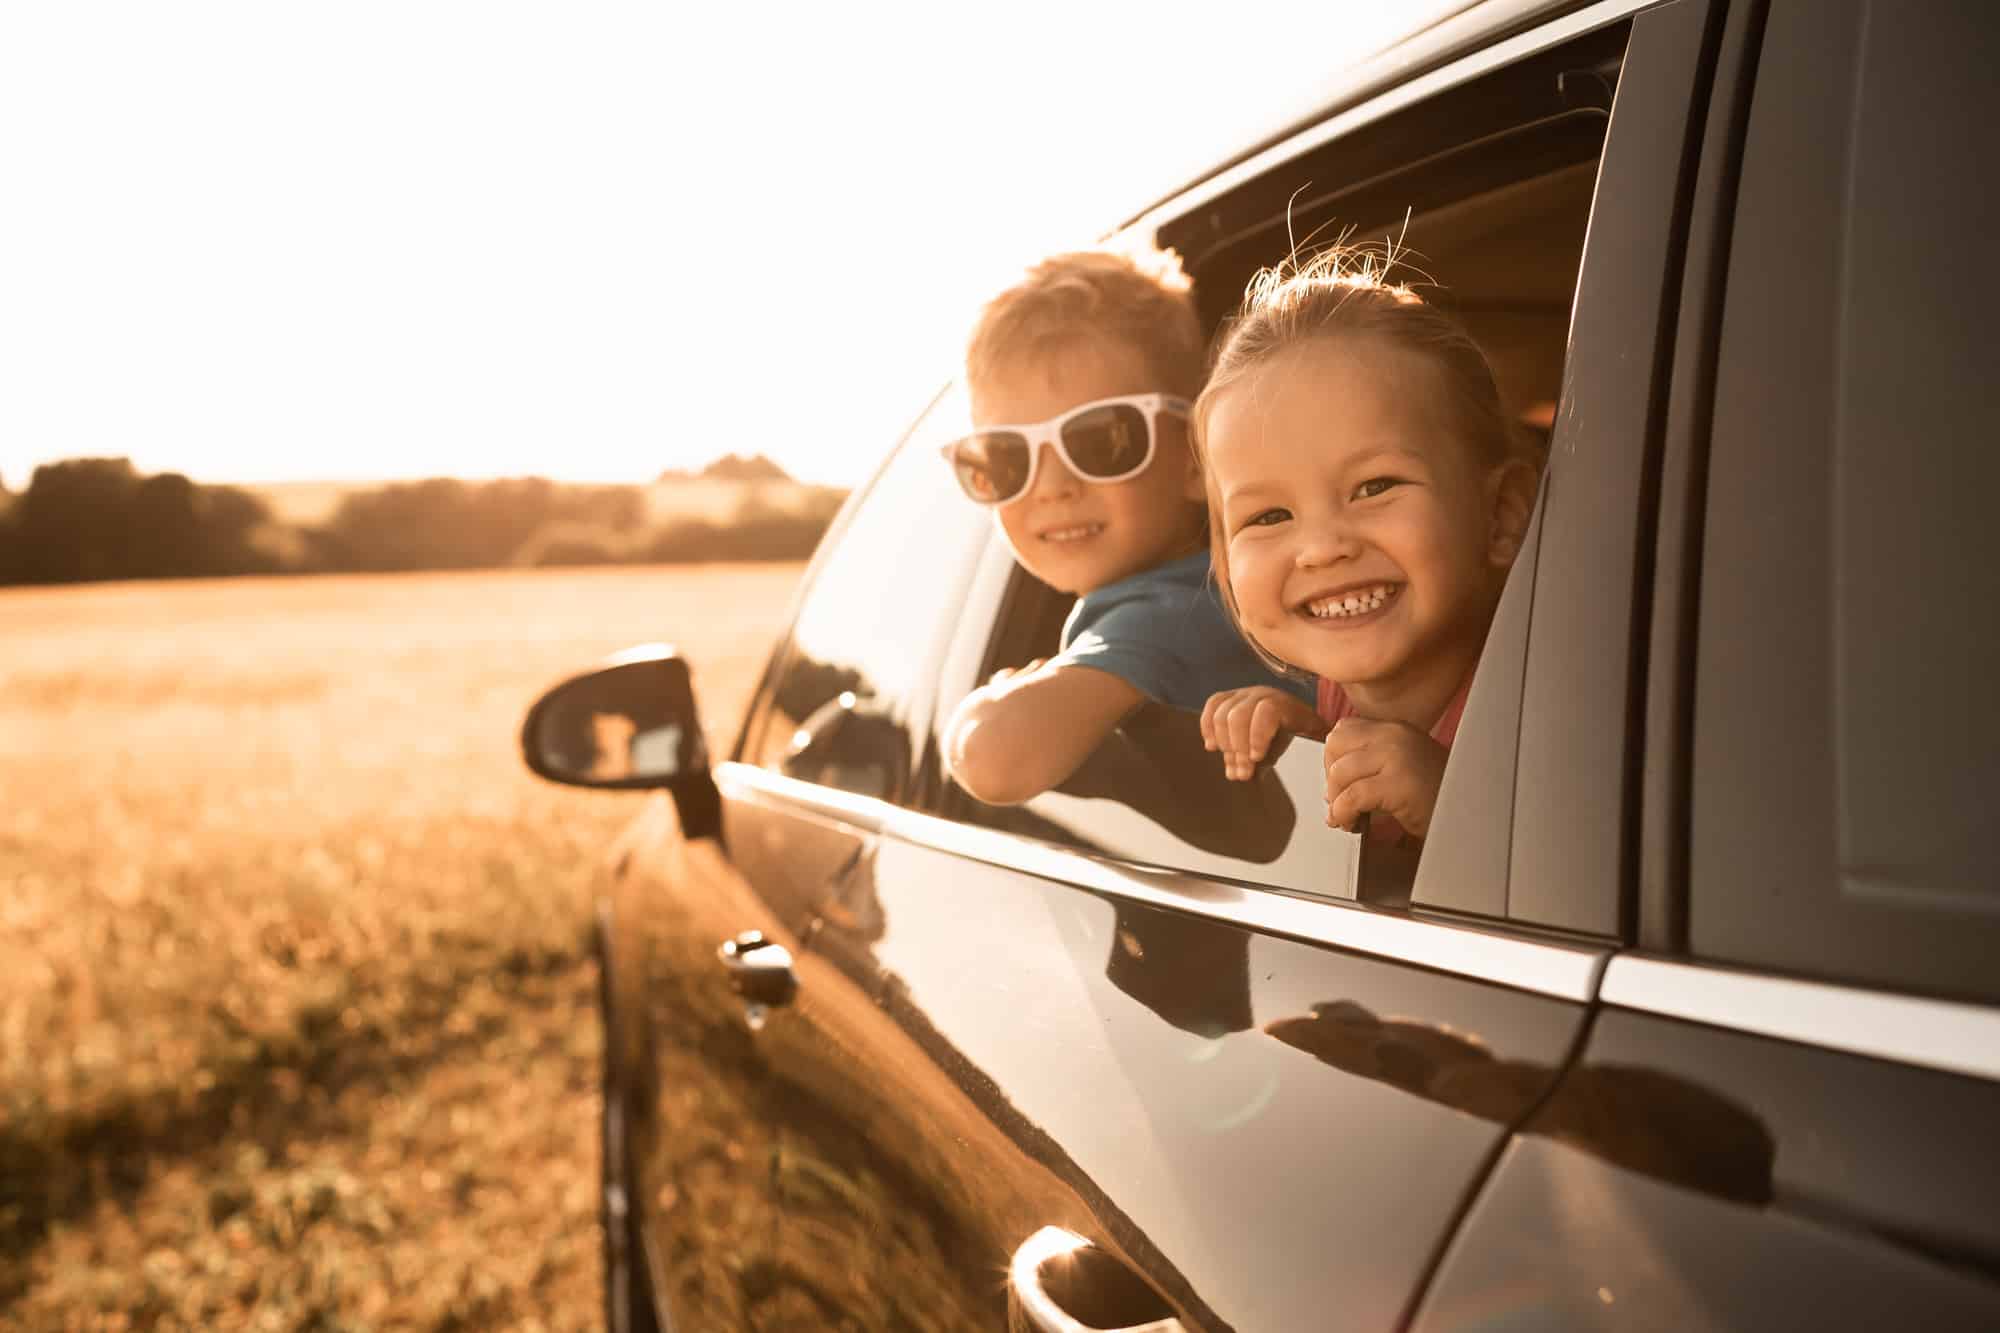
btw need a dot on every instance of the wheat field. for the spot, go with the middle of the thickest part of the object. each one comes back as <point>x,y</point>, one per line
<point>296,1025</point>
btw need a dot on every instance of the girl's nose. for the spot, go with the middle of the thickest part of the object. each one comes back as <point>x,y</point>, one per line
<point>1326,542</point>
<point>1053,479</point>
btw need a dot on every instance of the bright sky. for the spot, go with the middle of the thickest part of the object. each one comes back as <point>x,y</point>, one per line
<point>387,238</point>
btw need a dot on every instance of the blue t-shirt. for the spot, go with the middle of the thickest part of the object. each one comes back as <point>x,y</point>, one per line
<point>1165,631</point>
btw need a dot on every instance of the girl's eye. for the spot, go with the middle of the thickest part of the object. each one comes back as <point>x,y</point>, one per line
<point>1375,486</point>
<point>1268,518</point>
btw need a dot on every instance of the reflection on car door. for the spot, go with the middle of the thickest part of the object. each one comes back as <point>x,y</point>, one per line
<point>1276,1133</point>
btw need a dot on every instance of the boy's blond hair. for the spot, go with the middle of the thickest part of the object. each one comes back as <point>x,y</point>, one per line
<point>1138,297</point>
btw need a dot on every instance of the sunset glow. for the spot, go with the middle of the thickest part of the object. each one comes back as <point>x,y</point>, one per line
<point>382,240</point>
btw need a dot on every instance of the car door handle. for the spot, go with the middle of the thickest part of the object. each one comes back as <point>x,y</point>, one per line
<point>760,969</point>
<point>1059,1282</point>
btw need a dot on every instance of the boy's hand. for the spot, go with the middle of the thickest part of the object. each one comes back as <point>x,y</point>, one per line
<point>1386,766</point>
<point>1025,669</point>
<point>1243,724</point>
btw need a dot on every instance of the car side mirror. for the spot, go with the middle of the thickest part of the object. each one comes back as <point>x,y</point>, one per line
<point>630,724</point>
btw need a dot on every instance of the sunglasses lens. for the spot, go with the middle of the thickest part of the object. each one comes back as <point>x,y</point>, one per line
<point>991,467</point>
<point>1107,441</point>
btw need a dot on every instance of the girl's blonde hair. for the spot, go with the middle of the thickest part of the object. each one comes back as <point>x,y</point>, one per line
<point>1344,293</point>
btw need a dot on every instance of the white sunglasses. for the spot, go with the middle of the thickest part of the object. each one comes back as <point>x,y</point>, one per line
<point>1111,439</point>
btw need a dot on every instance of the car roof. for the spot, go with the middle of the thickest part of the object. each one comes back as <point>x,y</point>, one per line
<point>1436,39</point>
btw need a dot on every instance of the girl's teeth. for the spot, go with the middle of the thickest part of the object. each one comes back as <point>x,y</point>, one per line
<point>1071,534</point>
<point>1352,604</point>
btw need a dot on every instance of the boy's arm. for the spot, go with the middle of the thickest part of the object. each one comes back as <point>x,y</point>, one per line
<point>1026,731</point>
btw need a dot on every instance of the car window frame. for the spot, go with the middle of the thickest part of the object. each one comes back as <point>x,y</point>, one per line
<point>1482,871</point>
<point>1580,761</point>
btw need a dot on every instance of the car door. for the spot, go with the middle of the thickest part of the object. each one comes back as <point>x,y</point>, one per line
<point>703,1032</point>
<point>1781,1118</point>
<point>1113,1024</point>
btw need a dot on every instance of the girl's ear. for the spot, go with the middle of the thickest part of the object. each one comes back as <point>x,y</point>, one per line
<point>1511,502</point>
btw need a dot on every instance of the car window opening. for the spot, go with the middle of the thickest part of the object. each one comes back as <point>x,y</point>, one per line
<point>1488,218</point>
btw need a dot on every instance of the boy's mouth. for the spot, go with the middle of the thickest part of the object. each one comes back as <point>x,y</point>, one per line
<point>1350,604</point>
<point>1075,532</point>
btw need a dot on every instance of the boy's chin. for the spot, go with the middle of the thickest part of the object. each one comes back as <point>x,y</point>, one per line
<point>1063,581</point>
<point>1076,576</point>
<point>1085,571</point>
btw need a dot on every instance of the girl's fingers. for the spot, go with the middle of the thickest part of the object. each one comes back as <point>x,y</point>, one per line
<point>1228,725</point>
<point>1245,724</point>
<point>1211,715</point>
<point>1343,771</point>
<point>1217,732</point>
<point>1265,722</point>
<point>1354,801</point>
<point>1235,729</point>
<point>1350,734</point>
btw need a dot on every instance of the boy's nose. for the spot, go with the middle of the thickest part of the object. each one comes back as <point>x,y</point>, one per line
<point>1053,479</point>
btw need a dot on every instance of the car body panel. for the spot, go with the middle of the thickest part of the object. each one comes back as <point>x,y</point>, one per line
<point>1177,1070</point>
<point>1686,1176</point>
<point>701,1133</point>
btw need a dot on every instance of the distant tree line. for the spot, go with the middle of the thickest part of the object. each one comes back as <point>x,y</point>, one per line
<point>99,518</point>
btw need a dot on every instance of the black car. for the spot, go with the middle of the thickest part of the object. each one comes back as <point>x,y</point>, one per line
<point>1689,1014</point>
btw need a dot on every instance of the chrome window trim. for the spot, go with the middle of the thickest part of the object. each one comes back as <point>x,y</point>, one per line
<point>1398,95</point>
<point>747,782</point>
<point>1564,971</point>
<point>1908,1029</point>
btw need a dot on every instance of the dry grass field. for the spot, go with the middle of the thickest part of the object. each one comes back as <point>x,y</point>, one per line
<point>296,1025</point>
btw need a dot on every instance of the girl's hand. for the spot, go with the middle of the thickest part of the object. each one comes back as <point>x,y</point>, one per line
<point>1243,723</point>
<point>1386,766</point>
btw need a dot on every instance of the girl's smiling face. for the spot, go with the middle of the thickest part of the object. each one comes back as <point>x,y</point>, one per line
<point>1363,540</point>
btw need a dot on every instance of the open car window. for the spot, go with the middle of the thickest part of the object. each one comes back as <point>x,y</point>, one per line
<point>1488,192</point>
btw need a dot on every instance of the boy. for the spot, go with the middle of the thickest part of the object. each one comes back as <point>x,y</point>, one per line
<point>1079,378</point>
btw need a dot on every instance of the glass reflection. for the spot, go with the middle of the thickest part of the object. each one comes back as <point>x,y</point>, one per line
<point>883,600</point>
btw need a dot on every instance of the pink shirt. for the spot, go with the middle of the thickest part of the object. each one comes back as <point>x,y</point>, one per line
<point>1334,705</point>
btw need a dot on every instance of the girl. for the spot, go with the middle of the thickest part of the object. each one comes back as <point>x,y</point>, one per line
<point>1366,497</point>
